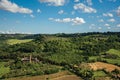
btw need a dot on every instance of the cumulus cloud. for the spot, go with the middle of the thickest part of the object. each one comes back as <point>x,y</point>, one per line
<point>73,12</point>
<point>101,20</point>
<point>111,20</point>
<point>107,25</point>
<point>99,28</point>
<point>107,0</point>
<point>66,20</point>
<point>84,8</point>
<point>51,19</point>
<point>14,32</point>
<point>32,16</point>
<point>118,11</point>
<point>12,7</point>
<point>77,21</point>
<point>108,14</point>
<point>76,0</point>
<point>92,26</point>
<point>38,11</point>
<point>100,1</point>
<point>54,2</point>
<point>89,2</point>
<point>60,12</point>
<point>112,0</point>
<point>118,25</point>
<point>74,21</point>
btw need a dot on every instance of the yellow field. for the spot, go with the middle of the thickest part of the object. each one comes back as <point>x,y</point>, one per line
<point>101,65</point>
<point>17,41</point>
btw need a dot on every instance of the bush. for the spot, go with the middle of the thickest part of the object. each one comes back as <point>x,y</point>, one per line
<point>51,71</point>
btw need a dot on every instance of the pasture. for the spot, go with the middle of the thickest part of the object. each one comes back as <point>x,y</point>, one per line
<point>17,41</point>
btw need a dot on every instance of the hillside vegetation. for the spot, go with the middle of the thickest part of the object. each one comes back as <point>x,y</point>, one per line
<point>114,52</point>
<point>43,54</point>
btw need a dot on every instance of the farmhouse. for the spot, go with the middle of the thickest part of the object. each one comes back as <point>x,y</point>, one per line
<point>29,59</point>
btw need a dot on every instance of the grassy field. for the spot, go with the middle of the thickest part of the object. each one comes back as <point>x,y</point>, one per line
<point>113,61</point>
<point>109,60</point>
<point>17,41</point>
<point>114,51</point>
<point>64,75</point>
<point>3,69</point>
<point>93,57</point>
<point>99,74</point>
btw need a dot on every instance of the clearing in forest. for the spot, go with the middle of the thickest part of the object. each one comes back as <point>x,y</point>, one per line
<point>101,65</point>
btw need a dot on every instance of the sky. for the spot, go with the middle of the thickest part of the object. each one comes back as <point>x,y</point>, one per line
<point>59,16</point>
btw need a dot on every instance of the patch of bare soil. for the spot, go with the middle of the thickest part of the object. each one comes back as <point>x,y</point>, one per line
<point>101,65</point>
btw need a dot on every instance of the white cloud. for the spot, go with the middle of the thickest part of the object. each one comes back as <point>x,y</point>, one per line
<point>12,7</point>
<point>101,20</point>
<point>2,32</point>
<point>73,12</point>
<point>108,14</point>
<point>51,19</point>
<point>54,2</point>
<point>57,20</point>
<point>66,20</point>
<point>118,11</point>
<point>89,2</point>
<point>99,28</point>
<point>60,12</point>
<point>76,0</point>
<point>74,21</point>
<point>112,0</point>
<point>107,25</point>
<point>38,11</point>
<point>100,1</point>
<point>118,25</point>
<point>78,21</point>
<point>84,8</point>
<point>98,16</point>
<point>111,20</point>
<point>92,26</point>
<point>107,0</point>
<point>32,16</point>
<point>14,32</point>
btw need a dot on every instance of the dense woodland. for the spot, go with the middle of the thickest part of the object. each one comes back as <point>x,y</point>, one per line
<point>58,52</point>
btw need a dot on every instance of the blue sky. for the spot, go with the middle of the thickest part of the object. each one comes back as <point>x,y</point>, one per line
<point>59,16</point>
